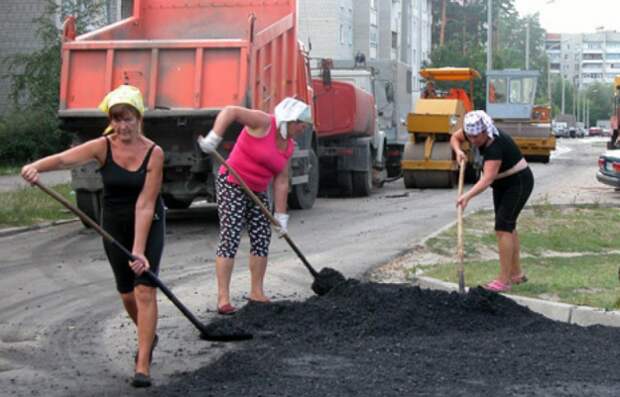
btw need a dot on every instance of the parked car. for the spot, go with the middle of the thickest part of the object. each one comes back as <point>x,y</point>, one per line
<point>609,168</point>
<point>595,131</point>
<point>581,132</point>
<point>560,132</point>
<point>572,132</point>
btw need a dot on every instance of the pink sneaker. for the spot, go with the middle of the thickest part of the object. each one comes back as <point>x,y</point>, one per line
<point>496,286</point>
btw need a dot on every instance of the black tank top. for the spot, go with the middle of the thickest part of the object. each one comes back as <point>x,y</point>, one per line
<point>122,187</point>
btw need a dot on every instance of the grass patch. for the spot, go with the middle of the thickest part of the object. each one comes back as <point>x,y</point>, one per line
<point>589,280</point>
<point>29,206</point>
<point>9,170</point>
<point>569,253</point>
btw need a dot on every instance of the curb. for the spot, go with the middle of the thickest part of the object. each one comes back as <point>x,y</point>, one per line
<point>572,314</point>
<point>22,229</point>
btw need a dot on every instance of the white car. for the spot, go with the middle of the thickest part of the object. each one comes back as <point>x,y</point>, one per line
<point>609,168</point>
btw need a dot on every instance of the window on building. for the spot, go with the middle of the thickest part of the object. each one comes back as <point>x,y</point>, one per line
<point>394,40</point>
<point>350,36</point>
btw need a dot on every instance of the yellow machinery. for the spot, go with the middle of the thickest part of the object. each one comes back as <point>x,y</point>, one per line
<point>428,160</point>
<point>510,102</point>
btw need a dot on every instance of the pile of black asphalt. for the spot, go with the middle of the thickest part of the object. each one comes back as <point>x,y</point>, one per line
<point>367,339</point>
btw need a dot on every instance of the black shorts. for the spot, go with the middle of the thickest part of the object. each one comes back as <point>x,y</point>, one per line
<point>509,197</point>
<point>121,227</point>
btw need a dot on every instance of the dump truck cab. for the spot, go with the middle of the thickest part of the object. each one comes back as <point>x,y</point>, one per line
<point>428,160</point>
<point>510,102</point>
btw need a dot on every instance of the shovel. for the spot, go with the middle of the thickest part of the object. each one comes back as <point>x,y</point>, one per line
<point>460,270</point>
<point>205,333</point>
<point>323,281</point>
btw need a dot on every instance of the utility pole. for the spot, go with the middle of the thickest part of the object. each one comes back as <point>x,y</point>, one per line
<point>527,45</point>
<point>442,30</point>
<point>489,35</point>
<point>563,94</point>
<point>584,98</point>
<point>578,116</point>
<point>549,81</point>
<point>573,91</point>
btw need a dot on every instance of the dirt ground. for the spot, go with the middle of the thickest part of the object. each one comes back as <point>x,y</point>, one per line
<point>369,339</point>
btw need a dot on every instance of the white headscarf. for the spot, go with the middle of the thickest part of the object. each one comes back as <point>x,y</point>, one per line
<point>291,109</point>
<point>477,121</point>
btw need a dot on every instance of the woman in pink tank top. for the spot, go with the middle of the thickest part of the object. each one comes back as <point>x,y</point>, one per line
<point>261,154</point>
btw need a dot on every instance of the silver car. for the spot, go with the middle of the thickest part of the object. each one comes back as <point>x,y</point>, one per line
<point>609,168</point>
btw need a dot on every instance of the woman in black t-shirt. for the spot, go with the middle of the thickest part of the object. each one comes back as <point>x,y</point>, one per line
<point>507,172</point>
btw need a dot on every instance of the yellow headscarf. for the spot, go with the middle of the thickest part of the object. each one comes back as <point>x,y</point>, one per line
<point>124,94</point>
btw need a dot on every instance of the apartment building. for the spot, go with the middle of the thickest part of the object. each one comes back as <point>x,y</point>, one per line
<point>386,30</point>
<point>18,31</point>
<point>584,58</point>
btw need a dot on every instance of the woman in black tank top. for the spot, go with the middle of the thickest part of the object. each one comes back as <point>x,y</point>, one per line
<point>133,213</point>
<point>507,172</point>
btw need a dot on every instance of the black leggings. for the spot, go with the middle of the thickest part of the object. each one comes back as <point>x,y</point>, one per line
<point>509,197</point>
<point>121,227</point>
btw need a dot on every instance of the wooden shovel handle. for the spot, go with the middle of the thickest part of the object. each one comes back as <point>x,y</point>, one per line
<point>459,231</point>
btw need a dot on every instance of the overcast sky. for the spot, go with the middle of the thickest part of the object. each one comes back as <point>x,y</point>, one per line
<point>573,16</point>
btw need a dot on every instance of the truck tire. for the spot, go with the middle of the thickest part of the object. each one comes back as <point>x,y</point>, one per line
<point>176,204</point>
<point>362,180</point>
<point>345,182</point>
<point>302,196</point>
<point>90,204</point>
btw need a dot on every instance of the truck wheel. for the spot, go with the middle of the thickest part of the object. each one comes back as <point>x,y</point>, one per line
<point>90,204</point>
<point>302,196</point>
<point>345,183</point>
<point>176,204</point>
<point>362,180</point>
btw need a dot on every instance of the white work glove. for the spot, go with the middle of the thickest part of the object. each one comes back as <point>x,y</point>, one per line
<point>283,221</point>
<point>209,143</point>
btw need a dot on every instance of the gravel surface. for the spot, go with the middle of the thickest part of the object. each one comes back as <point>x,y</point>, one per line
<point>368,339</point>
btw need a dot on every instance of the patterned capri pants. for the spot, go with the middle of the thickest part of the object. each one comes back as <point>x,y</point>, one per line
<point>236,210</point>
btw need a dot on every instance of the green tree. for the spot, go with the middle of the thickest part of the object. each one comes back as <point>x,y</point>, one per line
<point>600,98</point>
<point>466,41</point>
<point>30,129</point>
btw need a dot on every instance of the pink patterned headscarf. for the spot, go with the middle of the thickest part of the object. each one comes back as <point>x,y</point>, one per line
<point>478,121</point>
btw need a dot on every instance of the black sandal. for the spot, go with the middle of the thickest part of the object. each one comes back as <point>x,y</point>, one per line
<point>141,380</point>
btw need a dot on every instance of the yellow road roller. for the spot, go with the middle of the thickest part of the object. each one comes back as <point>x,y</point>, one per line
<point>428,161</point>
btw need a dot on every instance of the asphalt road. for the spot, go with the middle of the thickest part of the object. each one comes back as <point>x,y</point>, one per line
<point>63,330</point>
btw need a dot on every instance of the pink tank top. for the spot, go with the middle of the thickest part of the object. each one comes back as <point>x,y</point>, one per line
<point>258,160</point>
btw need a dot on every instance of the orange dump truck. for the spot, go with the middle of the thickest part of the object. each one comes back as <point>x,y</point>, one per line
<point>190,59</point>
